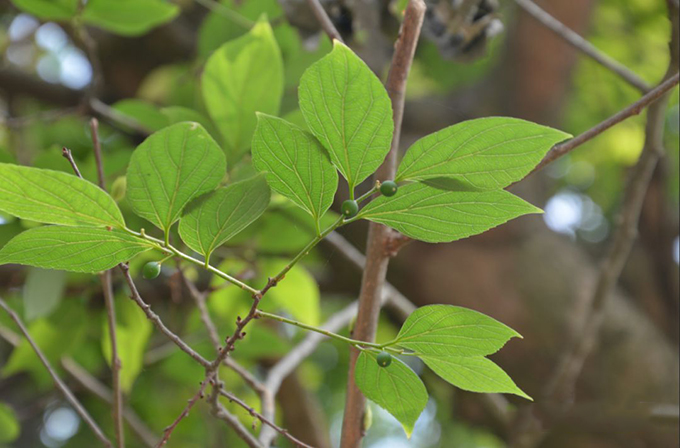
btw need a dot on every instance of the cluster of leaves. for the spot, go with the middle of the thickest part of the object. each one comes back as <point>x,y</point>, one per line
<point>450,187</point>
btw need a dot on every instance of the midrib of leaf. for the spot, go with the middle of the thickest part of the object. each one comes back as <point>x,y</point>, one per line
<point>178,167</point>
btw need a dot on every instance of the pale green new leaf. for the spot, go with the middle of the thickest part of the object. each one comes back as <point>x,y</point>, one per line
<point>298,295</point>
<point>443,330</point>
<point>9,425</point>
<point>427,213</point>
<point>169,169</point>
<point>296,165</point>
<point>132,333</point>
<point>48,9</point>
<point>395,388</point>
<point>42,292</point>
<point>215,218</point>
<point>53,197</point>
<point>347,108</point>
<point>488,153</point>
<point>476,374</point>
<point>129,17</point>
<point>78,249</point>
<point>242,77</point>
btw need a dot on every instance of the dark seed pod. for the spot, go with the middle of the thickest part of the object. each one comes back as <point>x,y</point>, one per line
<point>389,188</point>
<point>151,270</point>
<point>349,208</point>
<point>384,359</point>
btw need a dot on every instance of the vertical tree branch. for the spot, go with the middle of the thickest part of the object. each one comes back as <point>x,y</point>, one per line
<point>107,288</point>
<point>57,381</point>
<point>377,257</point>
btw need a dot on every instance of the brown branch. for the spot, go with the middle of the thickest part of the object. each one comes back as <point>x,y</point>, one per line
<point>219,411</point>
<point>324,20</point>
<point>57,381</point>
<point>107,289</point>
<point>581,44</point>
<point>167,432</point>
<point>68,155</point>
<point>376,257</point>
<point>89,382</point>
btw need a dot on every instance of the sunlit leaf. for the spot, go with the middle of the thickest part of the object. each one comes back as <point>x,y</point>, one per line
<point>395,388</point>
<point>53,197</point>
<point>428,213</point>
<point>48,9</point>
<point>78,249</point>
<point>347,108</point>
<point>129,17</point>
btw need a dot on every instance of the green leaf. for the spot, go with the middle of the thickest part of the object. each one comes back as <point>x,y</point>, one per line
<point>143,112</point>
<point>395,388</point>
<point>53,197</point>
<point>218,216</point>
<point>427,213</point>
<point>442,330</point>
<point>178,114</point>
<point>77,249</point>
<point>9,425</point>
<point>347,108</point>
<point>298,295</point>
<point>129,17</point>
<point>488,153</point>
<point>243,76</point>
<point>169,169</point>
<point>132,334</point>
<point>43,291</point>
<point>476,374</point>
<point>296,165</point>
<point>48,9</point>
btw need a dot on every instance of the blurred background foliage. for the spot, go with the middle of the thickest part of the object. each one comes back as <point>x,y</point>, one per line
<point>151,70</point>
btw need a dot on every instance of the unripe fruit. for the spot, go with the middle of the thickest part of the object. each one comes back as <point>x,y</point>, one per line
<point>384,359</point>
<point>349,208</point>
<point>389,188</point>
<point>151,270</point>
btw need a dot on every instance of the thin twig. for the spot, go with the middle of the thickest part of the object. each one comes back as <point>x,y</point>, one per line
<point>581,44</point>
<point>107,288</point>
<point>219,411</point>
<point>190,404</point>
<point>66,153</point>
<point>233,398</point>
<point>324,20</point>
<point>92,384</point>
<point>57,381</point>
<point>377,258</point>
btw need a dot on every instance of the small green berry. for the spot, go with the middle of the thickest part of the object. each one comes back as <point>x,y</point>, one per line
<point>151,270</point>
<point>349,208</point>
<point>384,359</point>
<point>389,188</point>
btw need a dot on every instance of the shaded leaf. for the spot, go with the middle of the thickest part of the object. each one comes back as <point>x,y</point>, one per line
<point>218,216</point>
<point>53,197</point>
<point>476,374</point>
<point>488,153</point>
<point>129,17</point>
<point>435,215</point>
<point>395,388</point>
<point>146,114</point>
<point>43,291</point>
<point>48,9</point>
<point>296,165</point>
<point>347,108</point>
<point>242,77</point>
<point>169,169</point>
<point>9,425</point>
<point>78,249</point>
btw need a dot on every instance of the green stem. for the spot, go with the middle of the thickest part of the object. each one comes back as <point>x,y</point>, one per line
<point>354,342</point>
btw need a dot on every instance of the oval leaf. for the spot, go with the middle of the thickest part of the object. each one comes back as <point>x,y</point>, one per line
<point>296,165</point>
<point>243,76</point>
<point>442,330</point>
<point>78,249</point>
<point>42,292</point>
<point>9,425</point>
<point>218,216</point>
<point>436,215</point>
<point>476,374</point>
<point>169,169</point>
<point>488,153</point>
<point>347,108</point>
<point>48,9</point>
<point>395,388</point>
<point>53,197</point>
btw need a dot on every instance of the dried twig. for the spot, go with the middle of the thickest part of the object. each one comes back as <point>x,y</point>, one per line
<point>57,381</point>
<point>376,257</point>
<point>573,39</point>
